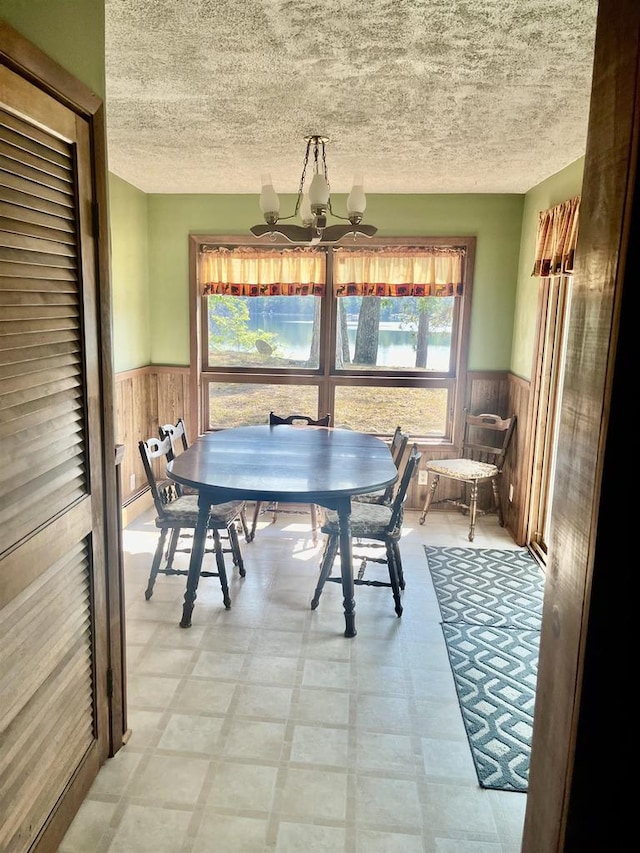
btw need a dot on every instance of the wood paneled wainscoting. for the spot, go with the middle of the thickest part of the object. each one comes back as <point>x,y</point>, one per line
<point>153,395</point>
<point>146,398</point>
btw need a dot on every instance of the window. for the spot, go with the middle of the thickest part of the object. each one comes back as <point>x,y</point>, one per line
<point>389,334</point>
<point>232,404</point>
<point>263,332</point>
<point>375,335</point>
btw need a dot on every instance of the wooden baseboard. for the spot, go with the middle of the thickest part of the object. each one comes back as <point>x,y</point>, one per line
<point>136,507</point>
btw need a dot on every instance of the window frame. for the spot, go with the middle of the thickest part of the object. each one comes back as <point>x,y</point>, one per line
<point>326,378</point>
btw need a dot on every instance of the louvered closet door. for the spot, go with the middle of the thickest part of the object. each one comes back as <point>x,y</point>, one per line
<point>52,625</point>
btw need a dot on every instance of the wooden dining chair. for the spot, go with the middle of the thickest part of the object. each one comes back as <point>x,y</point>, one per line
<point>376,526</point>
<point>179,443</point>
<point>485,443</point>
<point>177,433</point>
<point>178,513</point>
<point>397,449</point>
<point>303,420</point>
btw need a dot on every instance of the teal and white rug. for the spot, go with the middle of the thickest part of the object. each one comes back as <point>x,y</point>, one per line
<point>491,606</point>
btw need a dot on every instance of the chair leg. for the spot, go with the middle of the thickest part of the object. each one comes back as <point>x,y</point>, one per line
<point>173,545</point>
<point>235,550</point>
<point>155,565</point>
<point>398,559</point>
<point>254,522</point>
<point>245,526</point>
<point>222,572</point>
<point>429,498</point>
<point>473,509</point>
<point>314,524</point>
<point>393,576</point>
<point>328,557</point>
<point>496,499</point>
<point>274,518</point>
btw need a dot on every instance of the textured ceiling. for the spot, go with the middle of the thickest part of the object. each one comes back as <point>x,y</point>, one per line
<point>427,96</point>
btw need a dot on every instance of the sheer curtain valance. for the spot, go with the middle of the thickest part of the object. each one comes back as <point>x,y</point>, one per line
<point>245,271</point>
<point>398,271</point>
<point>301,271</point>
<point>556,240</point>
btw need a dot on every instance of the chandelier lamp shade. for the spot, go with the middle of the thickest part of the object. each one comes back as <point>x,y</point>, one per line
<point>313,204</point>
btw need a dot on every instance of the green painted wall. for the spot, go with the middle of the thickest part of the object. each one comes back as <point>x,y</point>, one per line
<point>129,275</point>
<point>494,219</point>
<point>69,31</point>
<point>505,297</point>
<point>558,188</point>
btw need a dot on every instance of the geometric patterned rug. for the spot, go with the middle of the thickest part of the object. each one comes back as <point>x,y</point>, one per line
<point>491,606</point>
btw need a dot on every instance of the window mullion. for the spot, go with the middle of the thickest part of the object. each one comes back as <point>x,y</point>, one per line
<point>327,332</point>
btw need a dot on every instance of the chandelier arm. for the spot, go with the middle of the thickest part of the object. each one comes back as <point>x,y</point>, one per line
<point>336,215</point>
<point>293,233</point>
<point>299,234</point>
<point>296,233</point>
<point>336,232</point>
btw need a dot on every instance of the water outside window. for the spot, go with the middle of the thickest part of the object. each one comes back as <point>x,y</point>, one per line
<point>394,333</point>
<point>375,333</point>
<point>264,331</point>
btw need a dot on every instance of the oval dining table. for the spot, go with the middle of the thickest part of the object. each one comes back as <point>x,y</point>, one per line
<point>289,464</point>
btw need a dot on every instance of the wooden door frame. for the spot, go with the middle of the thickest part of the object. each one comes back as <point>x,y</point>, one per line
<point>587,604</point>
<point>30,63</point>
<point>568,746</point>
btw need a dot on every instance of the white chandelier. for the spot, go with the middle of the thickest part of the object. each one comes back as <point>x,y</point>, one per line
<point>313,205</point>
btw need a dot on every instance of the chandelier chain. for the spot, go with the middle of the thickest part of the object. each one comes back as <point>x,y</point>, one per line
<point>302,180</point>
<point>326,177</point>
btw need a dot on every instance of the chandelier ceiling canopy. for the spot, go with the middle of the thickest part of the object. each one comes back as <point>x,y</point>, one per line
<point>313,203</point>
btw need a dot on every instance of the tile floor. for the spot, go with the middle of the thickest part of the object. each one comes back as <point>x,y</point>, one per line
<point>262,729</point>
